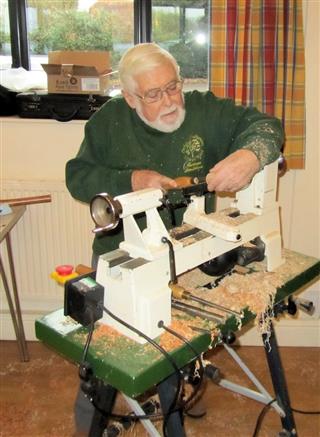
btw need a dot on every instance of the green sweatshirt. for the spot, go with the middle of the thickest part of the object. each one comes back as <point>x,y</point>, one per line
<point>117,142</point>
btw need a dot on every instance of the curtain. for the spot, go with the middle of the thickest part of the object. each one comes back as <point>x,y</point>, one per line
<point>257,59</point>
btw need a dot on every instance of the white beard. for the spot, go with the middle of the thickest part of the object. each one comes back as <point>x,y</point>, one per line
<point>161,125</point>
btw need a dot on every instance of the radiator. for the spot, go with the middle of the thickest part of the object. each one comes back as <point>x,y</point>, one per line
<point>48,234</point>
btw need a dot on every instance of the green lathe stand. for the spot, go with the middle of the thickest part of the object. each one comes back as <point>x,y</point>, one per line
<point>131,368</point>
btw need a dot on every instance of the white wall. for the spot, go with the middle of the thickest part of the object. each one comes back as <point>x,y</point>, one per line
<point>38,150</point>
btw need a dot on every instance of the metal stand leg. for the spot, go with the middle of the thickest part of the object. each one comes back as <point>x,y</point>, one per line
<point>278,380</point>
<point>150,428</point>
<point>167,391</point>
<point>261,395</point>
<point>106,396</point>
<point>15,311</point>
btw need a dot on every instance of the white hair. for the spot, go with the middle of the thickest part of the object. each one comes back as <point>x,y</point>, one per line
<point>140,58</point>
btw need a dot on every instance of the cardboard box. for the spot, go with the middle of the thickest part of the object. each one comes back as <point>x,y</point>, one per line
<point>78,72</point>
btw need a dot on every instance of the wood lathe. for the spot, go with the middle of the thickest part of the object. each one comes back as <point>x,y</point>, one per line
<point>139,278</point>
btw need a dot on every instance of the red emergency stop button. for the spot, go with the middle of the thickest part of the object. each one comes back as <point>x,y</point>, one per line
<point>64,270</point>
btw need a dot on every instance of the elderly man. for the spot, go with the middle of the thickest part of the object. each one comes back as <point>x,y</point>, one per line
<point>155,132</point>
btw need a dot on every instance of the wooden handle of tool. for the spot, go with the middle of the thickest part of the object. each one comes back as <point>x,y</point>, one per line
<point>81,269</point>
<point>27,200</point>
<point>184,181</point>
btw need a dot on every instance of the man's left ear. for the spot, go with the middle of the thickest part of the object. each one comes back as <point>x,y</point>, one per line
<point>129,98</point>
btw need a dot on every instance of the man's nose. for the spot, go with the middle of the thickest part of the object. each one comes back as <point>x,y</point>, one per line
<point>166,99</point>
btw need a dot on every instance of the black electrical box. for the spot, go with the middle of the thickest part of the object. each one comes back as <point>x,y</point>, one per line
<point>83,299</point>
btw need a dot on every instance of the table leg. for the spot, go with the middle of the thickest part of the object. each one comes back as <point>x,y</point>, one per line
<point>167,391</point>
<point>278,380</point>
<point>15,311</point>
<point>105,398</point>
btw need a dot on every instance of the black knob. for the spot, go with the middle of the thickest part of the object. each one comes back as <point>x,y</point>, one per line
<point>85,371</point>
<point>291,307</point>
<point>212,372</point>
<point>229,337</point>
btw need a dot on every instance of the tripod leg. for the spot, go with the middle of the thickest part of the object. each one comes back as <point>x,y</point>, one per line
<point>278,380</point>
<point>105,398</point>
<point>167,390</point>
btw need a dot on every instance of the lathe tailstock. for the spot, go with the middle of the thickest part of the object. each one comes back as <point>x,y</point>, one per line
<point>137,276</point>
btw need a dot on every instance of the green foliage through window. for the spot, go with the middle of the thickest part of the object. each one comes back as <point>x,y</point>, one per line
<point>73,30</point>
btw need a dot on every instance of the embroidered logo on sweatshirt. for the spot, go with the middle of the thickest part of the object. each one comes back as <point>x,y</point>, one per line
<point>193,152</point>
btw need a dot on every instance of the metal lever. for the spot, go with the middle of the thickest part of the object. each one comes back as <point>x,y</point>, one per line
<point>293,304</point>
<point>179,292</point>
<point>196,311</point>
<point>305,305</point>
<point>173,274</point>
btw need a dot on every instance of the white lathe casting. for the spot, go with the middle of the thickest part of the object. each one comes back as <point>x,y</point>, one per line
<point>136,276</point>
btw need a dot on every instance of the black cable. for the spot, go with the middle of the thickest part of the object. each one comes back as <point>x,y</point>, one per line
<point>149,416</point>
<point>85,370</point>
<point>261,416</point>
<point>304,412</point>
<point>86,347</point>
<point>265,409</point>
<point>84,373</point>
<point>174,402</point>
<point>197,354</point>
<point>171,410</point>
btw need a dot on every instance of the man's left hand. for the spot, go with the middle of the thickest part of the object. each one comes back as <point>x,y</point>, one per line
<point>234,172</point>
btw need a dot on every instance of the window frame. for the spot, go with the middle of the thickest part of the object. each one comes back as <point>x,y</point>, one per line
<point>19,34</point>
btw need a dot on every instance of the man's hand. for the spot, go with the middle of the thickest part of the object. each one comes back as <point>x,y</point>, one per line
<point>234,172</point>
<point>141,179</point>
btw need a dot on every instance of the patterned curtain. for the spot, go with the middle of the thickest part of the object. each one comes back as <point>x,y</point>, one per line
<point>257,59</point>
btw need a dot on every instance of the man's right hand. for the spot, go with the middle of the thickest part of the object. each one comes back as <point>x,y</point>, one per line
<point>141,179</point>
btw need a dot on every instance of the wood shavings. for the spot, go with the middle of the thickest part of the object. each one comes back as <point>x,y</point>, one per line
<point>105,331</point>
<point>169,341</point>
<point>255,291</point>
<point>108,337</point>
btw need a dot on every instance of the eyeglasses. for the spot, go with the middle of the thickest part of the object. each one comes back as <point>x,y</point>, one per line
<point>156,94</point>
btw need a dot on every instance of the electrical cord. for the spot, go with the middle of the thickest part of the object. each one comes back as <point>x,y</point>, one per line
<point>261,416</point>
<point>172,407</point>
<point>201,373</point>
<point>86,347</point>
<point>85,370</point>
<point>165,418</point>
<point>304,412</point>
<point>176,334</point>
<point>265,409</point>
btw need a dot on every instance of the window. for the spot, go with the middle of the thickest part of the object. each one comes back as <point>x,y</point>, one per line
<point>78,25</point>
<point>114,25</point>
<point>5,44</point>
<point>182,27</point>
